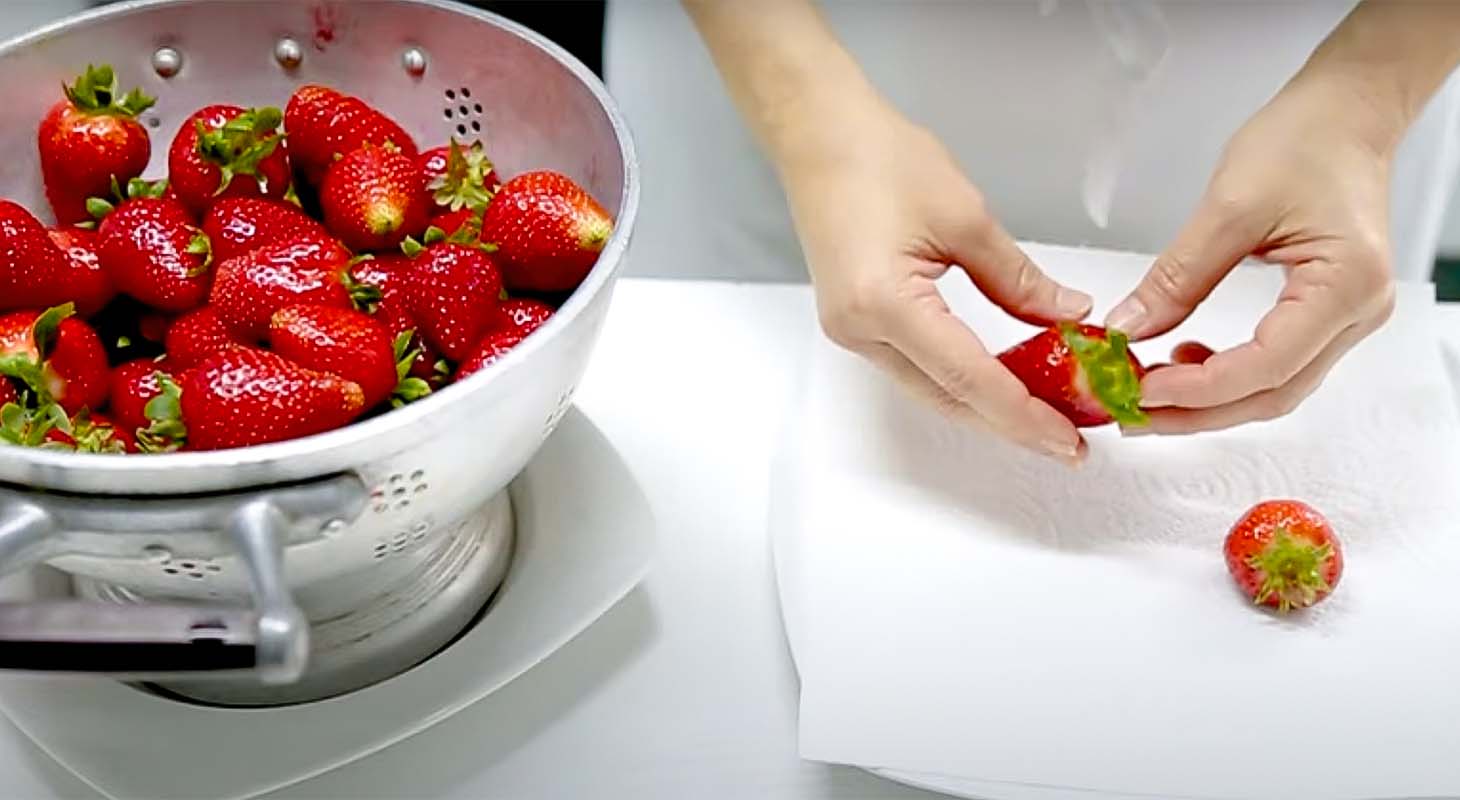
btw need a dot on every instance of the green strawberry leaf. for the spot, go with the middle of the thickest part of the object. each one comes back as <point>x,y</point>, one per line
<point>241,144</point>
<point>99,208</point>
<point>463,184</point>
<point>1108,371</point>
<point>411,247</point>
<point>291,195</point>
<point>167,431</point>
<point>442,368</point>
<point>48,326</point>
<point>409,391</point>
<point>95,92</point>
<point>434,235</point>
<point>28,428</point>
<point>141,187</point>
<point>200,245</point>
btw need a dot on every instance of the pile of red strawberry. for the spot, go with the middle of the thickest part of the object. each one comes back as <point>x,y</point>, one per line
<point>294,272</point>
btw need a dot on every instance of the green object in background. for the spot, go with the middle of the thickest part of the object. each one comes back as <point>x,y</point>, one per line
<point>1447,279</point>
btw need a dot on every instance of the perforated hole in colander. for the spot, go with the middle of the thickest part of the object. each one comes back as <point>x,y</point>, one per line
<point>463,112</point>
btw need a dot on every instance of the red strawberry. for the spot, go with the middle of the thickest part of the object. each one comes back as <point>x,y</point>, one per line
<point>89,286</point>
<point>236,226</point>
<point>155,254</point>
<point>454,293</point>
<point>548,232</point>
<point>34,273</point>
<point>324,124</point>
<point>250,288</point>
<point>134,384</point>
<point>386,275</point>
<point>228,151</point>
<point>245,397</point>
<point>523,316</point>
<point>196,335</point>
<point>89,140</point>
<point>341,341</point>
<point>373,198</point>
<point>1083,371</point>
<point>461,182</point>
<point>1284,554</point>
<point>488,351</point>
<point>60,358</point>
<point>91,433</point>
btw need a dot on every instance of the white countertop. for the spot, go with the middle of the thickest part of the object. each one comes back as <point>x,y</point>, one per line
<point>685,689</point>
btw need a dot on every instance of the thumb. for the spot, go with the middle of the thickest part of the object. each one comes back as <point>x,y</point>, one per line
<point>1182,276</point>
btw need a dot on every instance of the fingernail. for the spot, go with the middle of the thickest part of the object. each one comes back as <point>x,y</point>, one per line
<point>1138,430</point>
<point>1062,449</point>
<point>1128,316</point>
<point>1071,304</point>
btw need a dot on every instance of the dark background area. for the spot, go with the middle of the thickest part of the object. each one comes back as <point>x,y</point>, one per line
<point>576,25</point>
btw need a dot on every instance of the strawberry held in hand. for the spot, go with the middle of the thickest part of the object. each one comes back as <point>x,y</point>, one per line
<point>373,198</point>
<point>1083,372</point>
<point>34,272</point>
<point>89,140</point>
<point>547,230</point>
<point>246,397</point>
<point>228,151</point>
<point>237,225</point>
<point>1283,554</point>
<point>57,357</point>
<point>154,253</point>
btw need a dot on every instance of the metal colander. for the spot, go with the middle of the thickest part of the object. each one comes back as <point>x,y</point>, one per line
<point>210,569</point>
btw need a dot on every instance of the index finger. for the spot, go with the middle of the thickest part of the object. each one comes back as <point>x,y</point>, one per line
<point>944,348</point>
<point>1287,339</point>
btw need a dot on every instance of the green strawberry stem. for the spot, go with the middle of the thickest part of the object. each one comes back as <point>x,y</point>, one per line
<point>95,92</point>
<point>409,389</point>
<point>27,427</point>
<point>1109,373</point>
<point>239,145</point>
<point>92,438</point>
<point>463,184</point>
<point>1291,570</point>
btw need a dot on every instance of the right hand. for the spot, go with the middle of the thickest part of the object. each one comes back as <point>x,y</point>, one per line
<point>883,211</point>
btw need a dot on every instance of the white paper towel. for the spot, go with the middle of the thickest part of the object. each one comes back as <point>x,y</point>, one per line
<point>959,607</point>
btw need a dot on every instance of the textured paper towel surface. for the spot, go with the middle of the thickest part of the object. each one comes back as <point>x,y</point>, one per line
<point>962,608</point>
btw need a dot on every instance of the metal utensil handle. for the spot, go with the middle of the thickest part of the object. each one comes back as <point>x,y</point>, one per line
<point>271,640</point>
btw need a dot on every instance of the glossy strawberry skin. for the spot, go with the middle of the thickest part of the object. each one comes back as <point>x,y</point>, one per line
<point>81,152</point>
<point>196,335</point>
<point>247,397</point>
<point>373,198</point>
<point>33,271</point>
<point>340,341</point>
<point>487,352</point>
<point>1256,533</point>
<point>237,226</point>
<point>1048,368</point>
<point>322,123</point>
<point>196,180</point>
<point>90,287</point>
<point>144,246</point>
<point>77,374</point>
<point>389,274</point>
<point>548,232</point>
<point>523,316</point>
<point>250,288</point>
<point>454,295</point>
<point>134,384</point>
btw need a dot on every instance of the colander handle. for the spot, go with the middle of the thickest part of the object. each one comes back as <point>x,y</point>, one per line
<point>154,640</point>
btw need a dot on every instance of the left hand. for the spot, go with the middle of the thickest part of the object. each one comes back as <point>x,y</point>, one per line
<point>1299,185</point>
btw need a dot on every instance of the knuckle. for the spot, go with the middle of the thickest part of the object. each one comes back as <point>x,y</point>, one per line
<point>1275,404</point>
<point>1169,278</point>
<point>852,318</point>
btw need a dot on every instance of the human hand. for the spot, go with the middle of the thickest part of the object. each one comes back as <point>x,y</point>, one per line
<point>882,214</point>
<point>1301,186</point>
